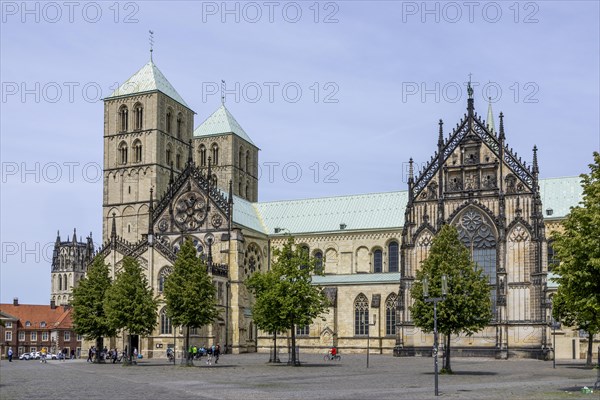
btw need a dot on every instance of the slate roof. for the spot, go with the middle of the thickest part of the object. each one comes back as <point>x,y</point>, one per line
<point>221,122</point>
<point>148,79</point>
<point>559,195</point>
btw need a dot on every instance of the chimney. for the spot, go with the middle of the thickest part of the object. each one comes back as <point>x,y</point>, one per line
<point>52,304</point>
<point>15,301</point>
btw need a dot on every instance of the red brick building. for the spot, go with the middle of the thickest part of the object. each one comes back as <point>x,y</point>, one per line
<point>29,327</point>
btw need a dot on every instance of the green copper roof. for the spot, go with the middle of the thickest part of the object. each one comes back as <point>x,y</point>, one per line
<point>148,79</point>
<point>551,284</point>
<point>221,122</point>
<point>369,211</point>
<point>356,279</point>
<point>559,195</point>
<point>364,211</point>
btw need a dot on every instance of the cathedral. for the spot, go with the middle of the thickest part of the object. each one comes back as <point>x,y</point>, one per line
<point>166,180</point>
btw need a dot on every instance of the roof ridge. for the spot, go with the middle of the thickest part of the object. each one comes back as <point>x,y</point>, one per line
<point>335,197</point>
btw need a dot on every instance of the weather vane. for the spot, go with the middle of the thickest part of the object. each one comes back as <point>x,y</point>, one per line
<point>151,43</point>
<point>222,92</point>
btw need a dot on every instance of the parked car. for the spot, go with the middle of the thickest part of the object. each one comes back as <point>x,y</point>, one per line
<point>36,355</point>
<point>25,356</point>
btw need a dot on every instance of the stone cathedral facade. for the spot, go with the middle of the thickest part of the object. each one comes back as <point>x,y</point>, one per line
<point>166,180</point>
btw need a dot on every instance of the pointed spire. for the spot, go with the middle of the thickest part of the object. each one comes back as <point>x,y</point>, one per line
<point>222,92</point>
<point>113,230</point>
<point>411,170</point>
<point>490,118</point>
<point>470,105</point>
<point>190,153</point>
<point>441,135</point>
<point>501,126</point>
<point>230,198</point>
<point>57,236</point>
<point>536,168</point>
<point>150,213</point>
<point>74,235</point>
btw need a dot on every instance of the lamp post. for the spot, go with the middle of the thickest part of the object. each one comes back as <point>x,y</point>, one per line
<point>366,325</point>
<point>435,300</point>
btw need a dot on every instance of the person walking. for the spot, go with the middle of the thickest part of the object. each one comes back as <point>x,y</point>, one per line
<point>217,352</point>
<point>10,354</point>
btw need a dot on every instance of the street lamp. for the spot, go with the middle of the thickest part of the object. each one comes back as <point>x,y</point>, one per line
<point>435,300</point>
<point>364,319</point>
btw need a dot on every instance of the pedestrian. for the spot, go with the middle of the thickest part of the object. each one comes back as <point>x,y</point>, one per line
<point>217,352</point>
<point>135,353</point>
<point>90,353</point>
<point>114,355</point>
<point>10,354</point>
<point>209,354</point>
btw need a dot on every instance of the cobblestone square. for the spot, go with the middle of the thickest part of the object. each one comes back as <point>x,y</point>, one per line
<point>248,376</point>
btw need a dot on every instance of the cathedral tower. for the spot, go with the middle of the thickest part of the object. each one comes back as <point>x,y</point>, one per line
<point>69,264</point>
<point>233,155</point>
<point>147,132</point>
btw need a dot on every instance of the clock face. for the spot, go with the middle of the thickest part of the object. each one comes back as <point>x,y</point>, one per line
<point>190,211</point>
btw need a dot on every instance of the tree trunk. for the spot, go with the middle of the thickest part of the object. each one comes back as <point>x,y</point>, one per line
<point>294,361</point>
<point>588,360</point>
<point>188,362</point>
<point>447,367</point>
<point>275,346</point>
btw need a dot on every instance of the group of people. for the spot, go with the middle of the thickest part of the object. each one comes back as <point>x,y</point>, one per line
<point>106,354</point>
<point>213,352</point>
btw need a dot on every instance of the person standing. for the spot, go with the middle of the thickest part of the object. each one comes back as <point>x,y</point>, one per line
<point>10,354</point>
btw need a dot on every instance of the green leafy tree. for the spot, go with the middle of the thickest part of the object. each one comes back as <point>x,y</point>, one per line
<point>267,299</point>
<point>286,297</point>
<point>466,307</point>
<point>129,304</point>
<point>190,293</point>
<point>89,318</point>
<point>577,301</point>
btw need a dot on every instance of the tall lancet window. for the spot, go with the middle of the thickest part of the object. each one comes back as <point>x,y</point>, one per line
<point>477,234</point>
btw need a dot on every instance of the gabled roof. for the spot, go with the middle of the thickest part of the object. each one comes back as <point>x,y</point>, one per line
<point>370,211</point>
<point>58,317</point>
<point>148,79</point>
<point>221,122</point>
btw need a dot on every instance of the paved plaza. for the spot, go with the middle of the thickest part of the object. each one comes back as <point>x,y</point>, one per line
<point>248,376</point>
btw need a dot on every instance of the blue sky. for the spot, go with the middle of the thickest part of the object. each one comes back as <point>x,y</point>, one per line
<point>337,95</point>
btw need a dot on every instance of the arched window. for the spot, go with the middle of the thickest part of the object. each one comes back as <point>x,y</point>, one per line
<point>137,151</point>
<point>169,120</point>
<point>240,187</point>
<point>139,116</point>
<point>123,118</point>
<point>179,125</point>
<point>377,261</point>
<point>319,261</point>
<point>477,235</point>
<point>215,154</point>
<point>202,155</point>
<point>215,181</point>
<point>123,153</point>
<point>552,258</point>
<point>168,155</point>
<point>59,282</point>
<point>361,315</point>
<point>163,273</point>
<point>166,328</point>
<point>390,314</point>
<point>247,190</point>
<point>240,159</point>
<point>65,287</point>
<point>248,166</point>
<point>178,160</point>
<point>393,257</point>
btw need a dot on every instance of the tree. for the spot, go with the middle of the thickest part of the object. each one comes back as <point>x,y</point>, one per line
<point>89,318</point>
<point>262,285</point>
<point>129,304</point>
<point>467,305</point>
<point>285,296</point>
<point>577,301</point>
<point>190,293</point>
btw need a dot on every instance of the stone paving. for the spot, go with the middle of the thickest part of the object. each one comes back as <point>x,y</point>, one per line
<point>248,376</point>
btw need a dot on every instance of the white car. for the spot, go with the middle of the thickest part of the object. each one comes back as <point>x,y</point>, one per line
<point>25,356</point>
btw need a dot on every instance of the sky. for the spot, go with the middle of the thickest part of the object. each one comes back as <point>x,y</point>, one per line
<point>338,95</point>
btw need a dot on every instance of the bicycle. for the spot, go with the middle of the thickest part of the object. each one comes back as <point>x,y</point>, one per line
<point>331,357</point>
